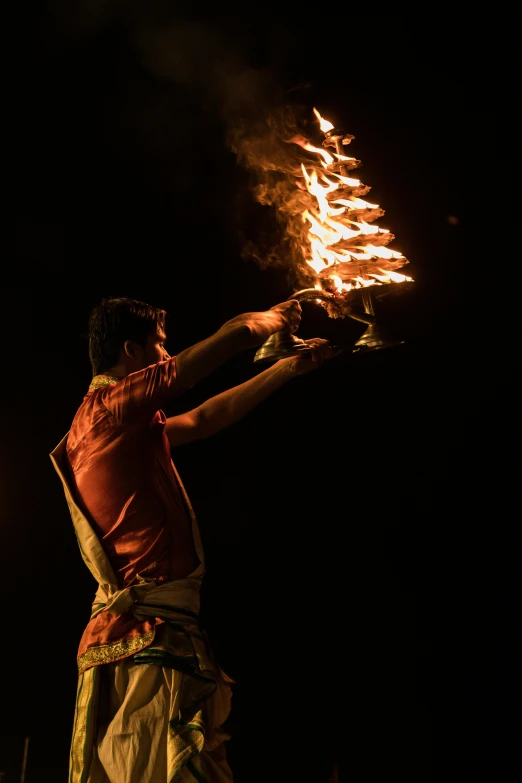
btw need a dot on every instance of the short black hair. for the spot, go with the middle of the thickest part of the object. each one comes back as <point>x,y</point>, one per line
<point>116,320</point>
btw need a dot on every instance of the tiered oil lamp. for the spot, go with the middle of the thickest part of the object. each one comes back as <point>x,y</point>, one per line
<point>352,263</point>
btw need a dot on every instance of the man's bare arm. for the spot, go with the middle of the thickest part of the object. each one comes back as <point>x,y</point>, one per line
<point>228,407</point>
<point>240,333</point>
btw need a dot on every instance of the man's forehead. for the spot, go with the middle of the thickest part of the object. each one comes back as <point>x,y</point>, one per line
<point>160,335</point>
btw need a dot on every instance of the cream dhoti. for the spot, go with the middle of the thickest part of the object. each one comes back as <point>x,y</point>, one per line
<point>151,698</point>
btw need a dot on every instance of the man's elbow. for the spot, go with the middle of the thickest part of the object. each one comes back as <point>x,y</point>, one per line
<point>185,429</point>
<point>205,423</point>
<point>203,426</point>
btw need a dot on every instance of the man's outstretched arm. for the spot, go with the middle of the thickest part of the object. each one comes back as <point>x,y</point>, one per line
<point>247,330</point>
<point>228,407</point>
<point>144,391</point>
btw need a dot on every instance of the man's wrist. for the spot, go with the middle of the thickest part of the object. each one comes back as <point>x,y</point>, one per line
<point>238,334</point>
<point>288,366</point>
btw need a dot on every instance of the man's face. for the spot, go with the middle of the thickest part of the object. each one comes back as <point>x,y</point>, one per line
<point>155,350</point>
<point>139,357</point>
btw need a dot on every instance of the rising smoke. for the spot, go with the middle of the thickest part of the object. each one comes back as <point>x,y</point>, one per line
<point>259,115</point>
<point>260,120</point>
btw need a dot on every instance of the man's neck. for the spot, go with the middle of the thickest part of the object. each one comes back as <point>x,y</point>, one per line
<point>118,371</point>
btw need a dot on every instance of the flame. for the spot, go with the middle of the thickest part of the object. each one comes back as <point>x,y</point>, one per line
<point>355,203</point>
<point>363,282</point>
<point>305,144</point>
<point>339,285</point>
<point>347,180</point>
<point>328,159</point>
<point>342,244</point>
<point>342,157</point>
<point>383,252</point>
<point>324,124</point>
<point>397,277</point>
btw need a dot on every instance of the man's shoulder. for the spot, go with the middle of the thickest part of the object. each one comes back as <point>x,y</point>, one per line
<point>92,414</point>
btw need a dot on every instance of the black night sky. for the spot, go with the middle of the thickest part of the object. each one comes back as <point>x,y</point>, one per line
<point>358,525</point>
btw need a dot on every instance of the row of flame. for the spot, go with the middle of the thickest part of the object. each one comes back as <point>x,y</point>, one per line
<point>345,220</point>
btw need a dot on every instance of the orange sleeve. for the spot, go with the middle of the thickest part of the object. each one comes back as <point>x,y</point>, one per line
<point>141,393</point>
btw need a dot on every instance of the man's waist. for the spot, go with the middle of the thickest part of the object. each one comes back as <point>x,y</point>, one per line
<point>175,601</point>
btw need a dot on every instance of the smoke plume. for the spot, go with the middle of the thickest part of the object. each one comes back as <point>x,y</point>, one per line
<point>258,114</point>
<point>259,118</point>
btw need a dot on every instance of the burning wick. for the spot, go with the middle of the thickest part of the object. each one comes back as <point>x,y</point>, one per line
<point>323,124</point>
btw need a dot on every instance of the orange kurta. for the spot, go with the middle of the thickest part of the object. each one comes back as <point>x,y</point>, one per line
<point>123,479</point>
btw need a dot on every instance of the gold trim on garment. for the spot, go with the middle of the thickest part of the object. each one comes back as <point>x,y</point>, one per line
<point>107,653</point>
<point>80,756</point>
<point>102,380</point>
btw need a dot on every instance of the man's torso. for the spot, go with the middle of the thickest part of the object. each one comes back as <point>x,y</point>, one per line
<point>122,473</point>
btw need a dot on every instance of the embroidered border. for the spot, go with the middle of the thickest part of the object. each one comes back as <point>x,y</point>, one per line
<point>106,653</point>
<point>102,380</point>
<point>84,727</point>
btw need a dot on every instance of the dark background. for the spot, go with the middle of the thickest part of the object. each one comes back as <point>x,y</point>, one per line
<point>358,525</point>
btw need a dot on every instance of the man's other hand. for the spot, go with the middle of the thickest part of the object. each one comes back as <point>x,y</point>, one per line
<point>284,316</point>
<point>314,353</point>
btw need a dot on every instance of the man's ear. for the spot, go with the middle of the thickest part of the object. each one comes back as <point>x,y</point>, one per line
<point>129,346</point>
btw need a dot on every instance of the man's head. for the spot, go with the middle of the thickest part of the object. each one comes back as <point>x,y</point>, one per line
<point>127,335</point>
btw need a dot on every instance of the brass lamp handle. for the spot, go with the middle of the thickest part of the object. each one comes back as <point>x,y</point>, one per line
<point>313,293</point>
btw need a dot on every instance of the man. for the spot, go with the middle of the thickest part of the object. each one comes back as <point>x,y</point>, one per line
<point>151,698</point>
